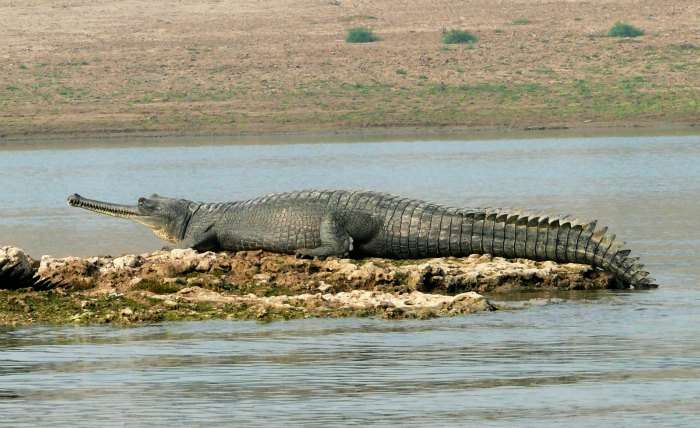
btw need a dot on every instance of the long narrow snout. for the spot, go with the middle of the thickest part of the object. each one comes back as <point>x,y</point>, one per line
<point>115,210</point>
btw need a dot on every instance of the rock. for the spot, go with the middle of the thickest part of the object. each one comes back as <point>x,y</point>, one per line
<point>164,269</point>
<point>481,273</point>
<point>71,272</point>
<point>323,287</point>
<point>259,285</point>
<point>182,253</point>
<point>134,282</point>
<point>194,281</point>
<point>262,278</point>
<point>184,266</point>
<point>189,290</point>
<point>16,268</point>
<point>129,261</point>
<point>204,265</point>
<point>470,296</point>
<point>215,282</point>
<point>439,275</point>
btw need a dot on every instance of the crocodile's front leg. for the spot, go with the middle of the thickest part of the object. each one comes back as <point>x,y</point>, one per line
<point>335,240</point>
<point>206,241</point>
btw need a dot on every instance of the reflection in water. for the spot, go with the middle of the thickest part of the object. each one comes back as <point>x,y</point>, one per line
<point>591,359</point>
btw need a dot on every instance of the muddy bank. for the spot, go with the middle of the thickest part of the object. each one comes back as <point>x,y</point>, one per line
<point>184,284</point>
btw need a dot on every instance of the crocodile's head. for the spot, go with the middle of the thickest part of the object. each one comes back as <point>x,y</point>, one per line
<point>166,217</point>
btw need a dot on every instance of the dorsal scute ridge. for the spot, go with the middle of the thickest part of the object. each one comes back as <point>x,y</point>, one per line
<point>512,218</point>
<point>598,245</point>
<point>622,252</point>
<point>599,233</point>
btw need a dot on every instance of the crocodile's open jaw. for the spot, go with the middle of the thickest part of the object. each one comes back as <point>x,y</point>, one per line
<point>115,210</point>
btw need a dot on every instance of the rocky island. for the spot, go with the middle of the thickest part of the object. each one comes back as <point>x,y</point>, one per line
<point>256,285</point>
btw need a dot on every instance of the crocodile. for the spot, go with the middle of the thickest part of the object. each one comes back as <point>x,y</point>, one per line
<point>323,223</point>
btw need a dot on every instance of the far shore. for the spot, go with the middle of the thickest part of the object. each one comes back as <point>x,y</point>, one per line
<point>129,137</point>
<point>281,68</point>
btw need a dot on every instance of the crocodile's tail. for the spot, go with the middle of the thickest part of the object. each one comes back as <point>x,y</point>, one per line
<point>561,239</point>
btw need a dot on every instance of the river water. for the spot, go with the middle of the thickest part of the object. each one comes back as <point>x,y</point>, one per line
<point>609,358</point>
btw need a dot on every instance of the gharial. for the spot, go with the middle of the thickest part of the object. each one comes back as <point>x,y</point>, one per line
<point>321,223</point>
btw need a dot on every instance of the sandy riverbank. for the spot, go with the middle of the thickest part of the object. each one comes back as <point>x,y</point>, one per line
<point>244,67</point>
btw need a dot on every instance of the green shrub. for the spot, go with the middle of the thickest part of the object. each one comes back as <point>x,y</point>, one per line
<point>361,35</point>
<point>458,36</point>
<point>623,29</point>
<point>520,21</point>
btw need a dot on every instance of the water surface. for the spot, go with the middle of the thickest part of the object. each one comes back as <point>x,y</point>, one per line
<point>604,358</point>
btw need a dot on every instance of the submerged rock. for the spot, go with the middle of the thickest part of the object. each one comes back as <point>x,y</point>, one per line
<point>259,285</point>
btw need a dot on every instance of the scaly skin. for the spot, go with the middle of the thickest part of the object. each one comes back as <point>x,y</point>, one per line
<point>363,223</point>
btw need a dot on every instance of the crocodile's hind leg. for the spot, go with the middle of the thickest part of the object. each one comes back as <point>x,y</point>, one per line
<point>335,241</point>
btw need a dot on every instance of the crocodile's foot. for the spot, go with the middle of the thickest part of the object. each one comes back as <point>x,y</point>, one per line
<point>336,249</point>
